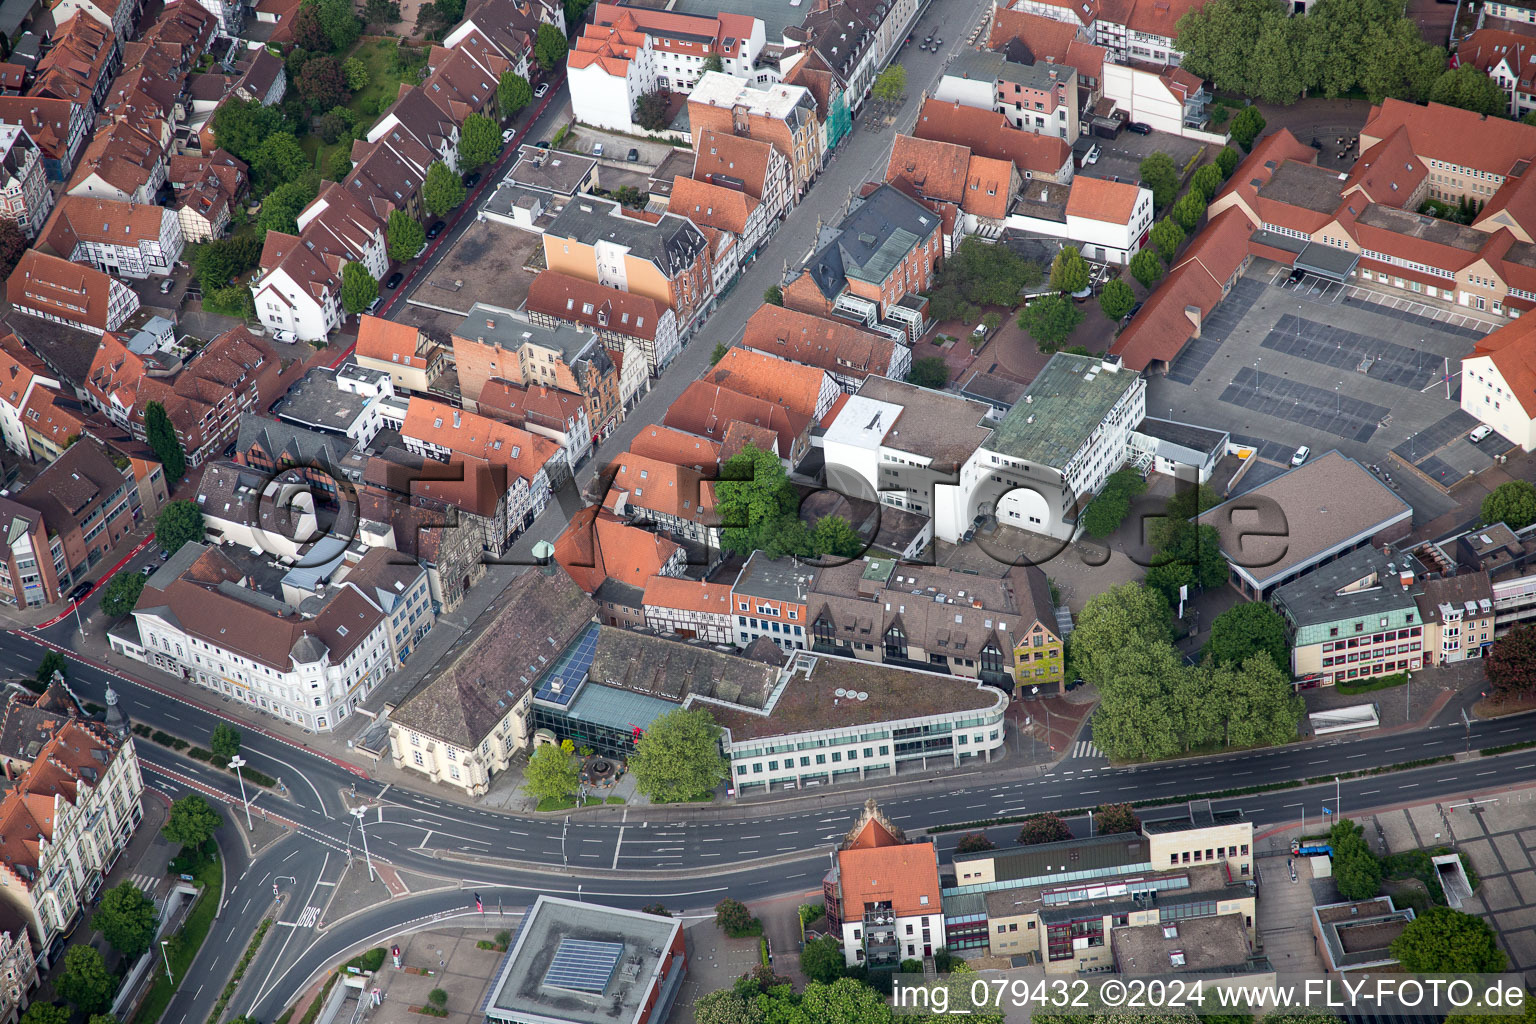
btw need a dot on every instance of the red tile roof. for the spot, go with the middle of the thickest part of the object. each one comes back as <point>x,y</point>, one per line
<point>1167,318</point>
<point>1045,37</point>
<point>595,547</point>
<point>906,876</point>
<point>1459,137</point>
<point>707,409</point>
<point>688,595</point>
<point>467,433</point>
<point>988,133</point>
<point>390,342</point>
<point>688,450</point>
<point>836,346</point>
<point>732,156</point>
<point>794,386</point>
<point>71,291</point>
<point>566,298</point>
<point>1102,200</point>
<point>658,486</point>
<point>1512,349</point>
<point>711,205</point>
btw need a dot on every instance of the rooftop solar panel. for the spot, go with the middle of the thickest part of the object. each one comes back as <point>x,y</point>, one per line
<point>559,683</point>
<point>582,965</point>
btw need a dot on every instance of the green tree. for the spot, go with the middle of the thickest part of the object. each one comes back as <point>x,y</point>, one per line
<point>278,160</point>
<point>1160,175</point>
<point>727,1006</point>
<point>513,93</point>
<point>551,774</point>
<point>1187,555</point>
<point>1469,88</point>
<point>834,536</point>
<point>1069,271</point>
<point>479,141</point>
<point>720,349</point>
<point>732,916</point>
<point>85,981</point>
<point>549,47</point>
<point>336,125</point>
<point>1227,161</point>
<point>1188,211</point>
<point>438,998</point>
<point>1511,663</point>
<point>338,165</point>
<point>1050,320</point>
<point>1512,503</point>
<point>224,742</point>
<point>1146,268</point>
<point>1114,819</point>
<point>773,295</point>
<point>844,1001</point>
<point>980,273</point>
<point>714,63</point>
<point>1112,504</point>
<point>406,236</point>
<point>178,523</point>
<point>1127,616</point>
<point>1247,126</point>
<point>929,372</point>
<point>358,287</point>
<point>1446,941</point>
<point>822,959</point>
<point>752,496</point>
<point>1356,871</point>
<point>1245,630</point>
<point>442,191</point>
<point>678,757</point>
<point>630,196</point>
<point>1043,828</point>
<point>45,1013</point>
<point>280,210</point>
<point>107,1018</point>
<point>381,12</point>
<point>1206,181</point>
<point>164,442</point>
<point>52,662</point>
<point>1218,43</point>
<point>1135,717</point>
<point>651,110</point>
<point>1116,299</point>
<point>890,83</point>
<point>122,593</point>
<point>974,842</point>
<point>126,918</point>
<point>341,23</point>
<point>240,126</point>
<point>1166,238</point>
<point>192,821</point>
<point>356,72</point>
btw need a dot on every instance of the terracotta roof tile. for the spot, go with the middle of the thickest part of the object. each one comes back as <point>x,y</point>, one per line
<point>687,595</point>
<point>688,450</point>
<point>836,346</point>
<point>988,133</point>
<point>1102,200</point>
<point>791,385</point>
<point>711,205</point>
<point>596,546</point>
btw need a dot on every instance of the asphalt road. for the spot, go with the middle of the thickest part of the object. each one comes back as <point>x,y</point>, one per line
<point>683,857</point>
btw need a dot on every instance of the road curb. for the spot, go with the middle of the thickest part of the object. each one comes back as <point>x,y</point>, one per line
<point>1389,808</point>
<point>643,874</point>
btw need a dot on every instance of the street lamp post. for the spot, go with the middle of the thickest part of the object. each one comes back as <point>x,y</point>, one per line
<point>237,762</point>
<point>167,960</point>
<point>358,812</point>
<point>79,624</point>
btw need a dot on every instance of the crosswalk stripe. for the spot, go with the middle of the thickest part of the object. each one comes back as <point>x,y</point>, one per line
<point>1086,748</point>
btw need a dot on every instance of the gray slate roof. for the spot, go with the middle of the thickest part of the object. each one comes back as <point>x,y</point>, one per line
<point>672,244</point>
<point>875,236</point>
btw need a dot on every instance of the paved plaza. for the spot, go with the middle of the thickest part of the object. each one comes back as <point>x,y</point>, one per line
<point>1282,364</point>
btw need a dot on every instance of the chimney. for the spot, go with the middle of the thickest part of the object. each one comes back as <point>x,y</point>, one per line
<point>1405,577</point>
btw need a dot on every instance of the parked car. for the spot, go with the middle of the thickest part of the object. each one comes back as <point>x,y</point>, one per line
<point>508,135</point>
<point>436,229</point>
<point>166,286</point>
<point>394,280</point>
<point>597,150</point>
<point>472,179</point>
<point>81,589</point>
<point>1479,432</point>
<point>634,156</point>
<point>164,554</point>
<point>1139,127</point>
<point>1132,314</point>
<point>286,337</point>
<point>374,305</point>
<point>148,570</point>
<point>1301,455</point>
<point>541,91</point>
<point>1296,275</point>
<point>542,143</point>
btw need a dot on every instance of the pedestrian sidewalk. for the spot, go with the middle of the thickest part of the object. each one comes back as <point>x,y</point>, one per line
<point>42,615</point>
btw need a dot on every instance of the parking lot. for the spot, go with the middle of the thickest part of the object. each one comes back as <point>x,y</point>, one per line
<point>1121,158</point>
<point>1282,364</point>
